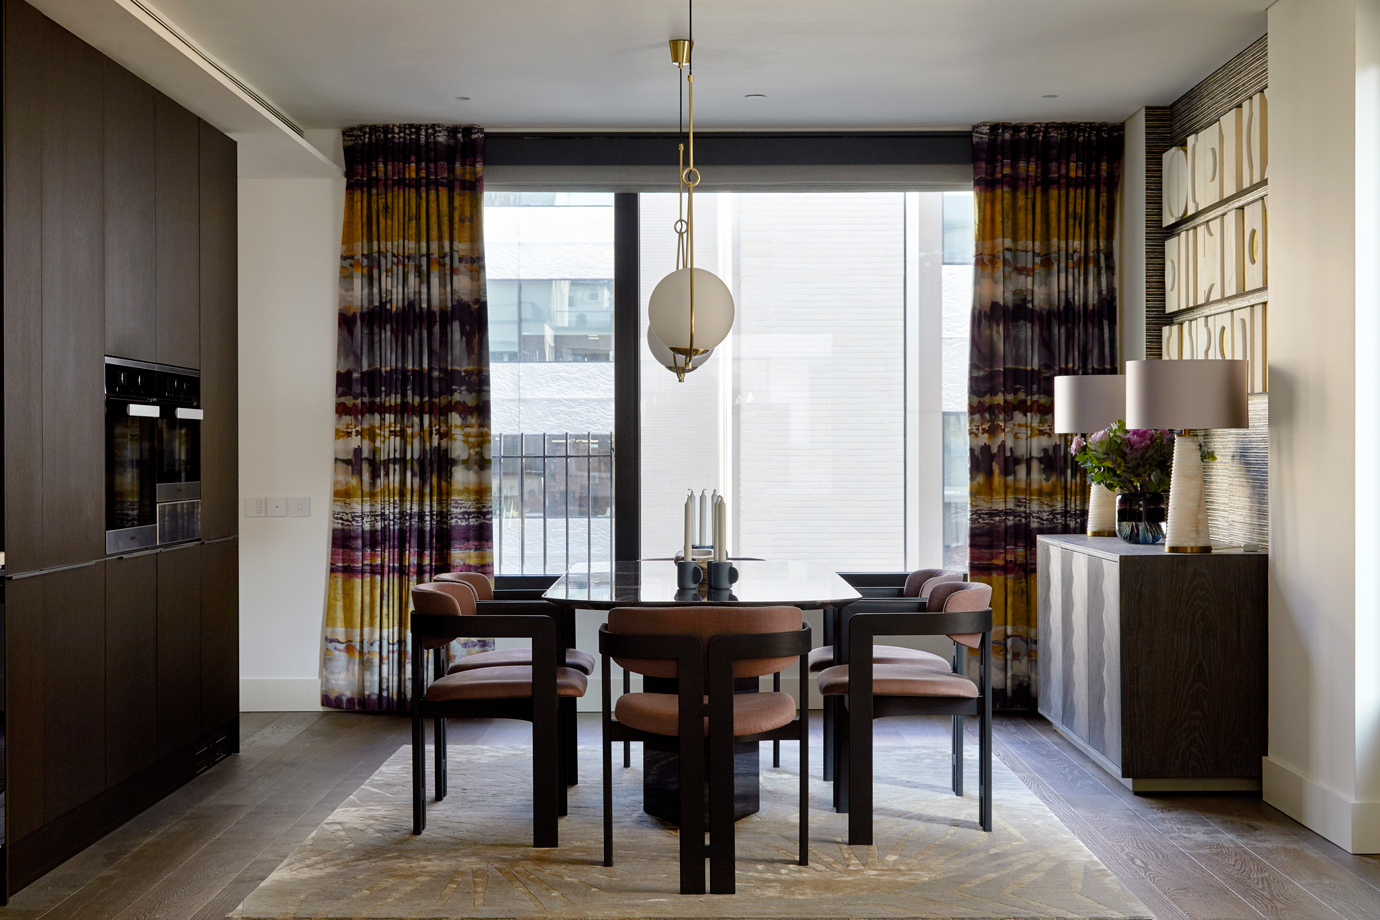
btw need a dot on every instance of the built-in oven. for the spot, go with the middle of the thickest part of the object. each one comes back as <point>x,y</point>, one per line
<point>153,455</point>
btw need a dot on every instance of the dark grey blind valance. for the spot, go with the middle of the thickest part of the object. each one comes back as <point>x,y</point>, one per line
<point>730,161</point>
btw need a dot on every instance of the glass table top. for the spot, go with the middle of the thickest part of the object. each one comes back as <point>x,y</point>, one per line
<point>653,583</point>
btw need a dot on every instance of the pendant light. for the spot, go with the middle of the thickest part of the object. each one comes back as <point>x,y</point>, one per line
<point>691,309</point>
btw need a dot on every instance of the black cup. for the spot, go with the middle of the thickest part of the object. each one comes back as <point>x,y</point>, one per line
<point>722,575</point>
<point>688,574</point>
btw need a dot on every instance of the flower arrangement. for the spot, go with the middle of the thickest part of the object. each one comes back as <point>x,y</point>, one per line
<point>1125,461</point>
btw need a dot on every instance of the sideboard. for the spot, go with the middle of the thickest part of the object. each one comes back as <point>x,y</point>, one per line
<point>1153,663</point>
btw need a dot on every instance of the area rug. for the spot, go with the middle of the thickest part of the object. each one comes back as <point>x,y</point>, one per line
<point>930,859</point>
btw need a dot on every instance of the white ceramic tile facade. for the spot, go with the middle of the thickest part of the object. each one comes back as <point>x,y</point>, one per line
<point>1255,244</point>
<point>1208,268</point>
<point>1233,251</point>
<point>1174,178</point>
<point>1230,133</point>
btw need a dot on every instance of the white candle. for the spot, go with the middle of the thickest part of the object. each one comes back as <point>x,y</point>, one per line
<point>705,536</point>
<point>689,524</point>
<point>720,530</point>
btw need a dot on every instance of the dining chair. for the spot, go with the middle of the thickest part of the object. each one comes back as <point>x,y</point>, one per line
<point>883,585</point>
<point>869,690</point>
<point>705,649</point>
<point>443,611</point>
<point>575,658</point>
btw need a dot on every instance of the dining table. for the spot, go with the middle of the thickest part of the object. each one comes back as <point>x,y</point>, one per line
<point>805,584</point>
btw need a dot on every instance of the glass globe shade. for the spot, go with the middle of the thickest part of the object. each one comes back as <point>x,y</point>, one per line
<point>669,359</point>
<point>668,310</point>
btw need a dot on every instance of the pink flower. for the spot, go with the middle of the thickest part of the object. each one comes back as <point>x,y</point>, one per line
<point>1078,444</point>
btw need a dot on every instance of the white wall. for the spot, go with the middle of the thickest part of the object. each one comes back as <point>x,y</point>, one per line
<point>1324,607</point>
<point>289,266</point>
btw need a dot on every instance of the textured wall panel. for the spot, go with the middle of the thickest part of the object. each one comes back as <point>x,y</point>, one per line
<point>1227,87</point>
<point>1157,141</point>
<point>1237,484</point>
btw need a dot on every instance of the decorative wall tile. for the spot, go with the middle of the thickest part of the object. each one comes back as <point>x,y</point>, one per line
<point>1188,266</point>
<point>1173,276</point>
<point>1208,175</point>
<point>1194,164</point>
<point>1175,173</point>
<point>1207,267</point>
<point>1231,152</point>
<point>1233,252</point>
<point>1171,338</point>
<point>1255,130</point>
<point>1255,244</point>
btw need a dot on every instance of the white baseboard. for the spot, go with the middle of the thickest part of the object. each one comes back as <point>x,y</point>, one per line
<point>280,694</point>
<point>1353,826</point>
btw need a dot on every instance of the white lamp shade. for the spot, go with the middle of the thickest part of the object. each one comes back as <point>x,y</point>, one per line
<point>668,359</point>
<point>669,309</point>
<point>1088,403</point>
<point>1203,393</point>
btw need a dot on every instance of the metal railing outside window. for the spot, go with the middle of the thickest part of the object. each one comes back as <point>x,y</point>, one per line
<point>553,501</point>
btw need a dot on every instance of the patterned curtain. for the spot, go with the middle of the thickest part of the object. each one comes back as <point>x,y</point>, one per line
<point>1044,304</point>
<point>412,494</point>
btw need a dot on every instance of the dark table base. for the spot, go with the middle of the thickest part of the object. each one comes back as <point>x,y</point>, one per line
<point>661,781</point>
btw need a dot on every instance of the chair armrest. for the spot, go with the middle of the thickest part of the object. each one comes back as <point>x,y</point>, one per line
<point>506,626</point>
<point>516,607</point>
<point>869,605</point>
<point>725,649</point>
<point>686,651</point>
<point>863,628</point>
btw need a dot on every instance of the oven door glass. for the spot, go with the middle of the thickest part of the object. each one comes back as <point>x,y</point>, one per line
<point>130,471</point>
<point>179,458</point>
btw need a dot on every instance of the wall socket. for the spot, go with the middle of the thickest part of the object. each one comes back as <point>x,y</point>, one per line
<point>277,506</point>
<point>299,506</point>
<point>254,507</point>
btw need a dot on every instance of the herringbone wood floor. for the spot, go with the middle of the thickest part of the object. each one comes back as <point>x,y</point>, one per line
<point>196,854</point>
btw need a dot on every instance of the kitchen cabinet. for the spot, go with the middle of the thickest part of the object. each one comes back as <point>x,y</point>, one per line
<point>179,646</point>
<point>130,314</point>
<point>220,636</point>
<point>131,673</point>
<point>219,272</point>
<point>177,165</point>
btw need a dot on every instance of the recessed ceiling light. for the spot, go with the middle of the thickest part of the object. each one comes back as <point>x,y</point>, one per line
<point>1050,96</point>
<point>755,96</point>
<point>463,98</point>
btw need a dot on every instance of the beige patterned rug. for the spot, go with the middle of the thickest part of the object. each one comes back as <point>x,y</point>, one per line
<point>930,859</point>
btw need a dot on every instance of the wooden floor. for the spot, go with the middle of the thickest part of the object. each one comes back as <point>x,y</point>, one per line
<point>199,852</point>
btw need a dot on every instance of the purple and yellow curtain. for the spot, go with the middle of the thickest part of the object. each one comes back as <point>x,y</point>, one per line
<point>412,494</point>
<point>1044,304</point>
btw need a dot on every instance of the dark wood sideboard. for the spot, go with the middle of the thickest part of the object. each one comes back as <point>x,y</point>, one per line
<point>1153,663</point>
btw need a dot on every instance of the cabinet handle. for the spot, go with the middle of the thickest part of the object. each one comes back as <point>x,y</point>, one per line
<point>142,411</point>
<point>190,413</point>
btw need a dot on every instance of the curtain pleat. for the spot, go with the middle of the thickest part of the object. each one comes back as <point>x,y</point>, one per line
<point>412,492</point>
<point>1044,304</point>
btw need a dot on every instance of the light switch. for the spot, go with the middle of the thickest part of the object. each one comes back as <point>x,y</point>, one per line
<point>254,507</point>
<point>299,506</point>
<point>277,507</point>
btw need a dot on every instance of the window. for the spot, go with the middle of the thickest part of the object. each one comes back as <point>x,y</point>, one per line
<point>550,289</point>
<point>833,418</point>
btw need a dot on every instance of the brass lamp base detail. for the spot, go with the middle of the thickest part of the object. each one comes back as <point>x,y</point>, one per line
<point>1102,533</point>
<point>1187,549</point>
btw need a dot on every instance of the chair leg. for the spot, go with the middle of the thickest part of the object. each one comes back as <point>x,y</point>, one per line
<point>418,771</point>
<point>985,767</point>
<point>957,755</point>
<point>608,794</point>
<point>627,745</point>
<point>829,716</point>
<point>571,742</point>
<point>776,744</point>
<point>546,781</point>
<point>563,756</point>
<point>841,756</point>
<point>858,763</point>
<point>692,816</point>
<point>722,843</point>
<point>440,758</point>
<point>804,775</point>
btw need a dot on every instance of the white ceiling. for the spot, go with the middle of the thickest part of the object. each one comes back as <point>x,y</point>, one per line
<point>879,64</point>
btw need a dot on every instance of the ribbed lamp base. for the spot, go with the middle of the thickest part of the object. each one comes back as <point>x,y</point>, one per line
<point>1187,530</point>
<point>1101,512</point>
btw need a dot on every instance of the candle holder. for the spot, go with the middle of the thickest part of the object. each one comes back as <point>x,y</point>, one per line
<point>722,575</point>
<point>688,574</point>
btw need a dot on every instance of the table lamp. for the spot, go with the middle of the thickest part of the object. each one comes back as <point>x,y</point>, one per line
<point>1082,405</point>
<point>1189,394</point>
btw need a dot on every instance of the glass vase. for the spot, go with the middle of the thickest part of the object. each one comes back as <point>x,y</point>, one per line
<point>1140,516</point>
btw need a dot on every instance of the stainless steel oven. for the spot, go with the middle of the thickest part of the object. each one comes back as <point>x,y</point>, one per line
<point>153,455</point>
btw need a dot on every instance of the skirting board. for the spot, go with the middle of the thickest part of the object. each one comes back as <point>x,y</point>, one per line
<point>1353,826</point>
<point>280,694</point>
<point>1150,785</point>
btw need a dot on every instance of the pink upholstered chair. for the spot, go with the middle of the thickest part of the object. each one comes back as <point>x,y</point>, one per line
<point>446,610</point>
<point>704,649</point>
<point>872,690</point>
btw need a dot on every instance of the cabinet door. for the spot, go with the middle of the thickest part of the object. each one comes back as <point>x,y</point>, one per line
<point>24,735</point>
<point>219,336</point>
<point>131,668</point>
<point>177,164</point>
<point>130,317</point>
<point>26,42</point>
<point>220,634</point>
<point>74,656</point>
<point>179,647</point>
<point>73,304</point>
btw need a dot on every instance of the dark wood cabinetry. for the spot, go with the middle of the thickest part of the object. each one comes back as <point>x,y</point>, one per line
<point>177,165</point>
<point>219,268</point>
<point>121,674</point>
<point>131,674</point>
<point>73,201</point>
<point>130,316</point>
<point>1153,663</point>
<point>220,634</point>
<point>179,647</point>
